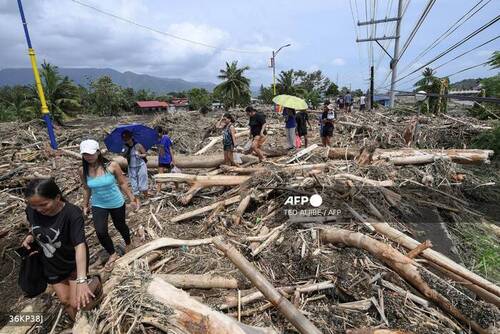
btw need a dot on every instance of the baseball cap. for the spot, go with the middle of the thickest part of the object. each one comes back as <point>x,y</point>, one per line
<point>89,146</point>
<point>330,107</point>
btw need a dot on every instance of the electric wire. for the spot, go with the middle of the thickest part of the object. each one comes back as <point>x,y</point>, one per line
<point>187,40</point>
<point>417,26</point>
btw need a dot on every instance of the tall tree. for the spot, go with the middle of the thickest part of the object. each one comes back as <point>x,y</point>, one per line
<point>494,60</point>
<point>332,89</point>
<point>199,98</point>
<point>61,94</point>
<point>16,103</point>
<point>432,84</point>
<point>287,82</point>
<point>235,88</point>
<point>107,97</point>
<point>266,94</point>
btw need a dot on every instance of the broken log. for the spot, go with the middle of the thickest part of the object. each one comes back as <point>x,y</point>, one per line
<point>203,281</point>
<point>376,331</point>
<point>191,316</point>
<point>419,249</point>
<point>410,156</point>
<point>401,264</point>
<point>442,261</point>
<point>364,180</point>
<point>218,139</point>
<point>241,209</point>
<point>204,209</point>
<point>286,308</point>
<point>187,161</point>
<point>198,182</point>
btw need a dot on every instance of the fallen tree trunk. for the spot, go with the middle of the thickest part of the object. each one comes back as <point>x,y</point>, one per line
<point>204,209</point>
<point>444,262</point>
<point>370,182</point>
<point>410,156</point>
<point>401,264</point>
<point>198,182</point>
<point>191,316</point>
<point>204,281</point>
<point>218,139</point>
<point>282,304</point>
<point>183,161</point>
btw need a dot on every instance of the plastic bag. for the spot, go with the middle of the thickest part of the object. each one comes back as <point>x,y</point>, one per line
<point>247,146</point>
<point>298,142</point>
<point>176,169</point>
<point>237,158</point>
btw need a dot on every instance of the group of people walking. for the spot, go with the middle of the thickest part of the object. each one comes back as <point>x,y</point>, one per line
<point>57,236</point>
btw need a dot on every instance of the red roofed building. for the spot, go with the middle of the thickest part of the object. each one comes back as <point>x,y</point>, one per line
<point>152,105</point>
<point>180,103</point>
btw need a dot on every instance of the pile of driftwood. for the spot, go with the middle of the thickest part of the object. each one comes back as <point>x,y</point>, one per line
<point>221,252</point>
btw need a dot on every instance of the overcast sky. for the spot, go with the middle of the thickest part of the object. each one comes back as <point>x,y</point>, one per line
<point>321,32</point>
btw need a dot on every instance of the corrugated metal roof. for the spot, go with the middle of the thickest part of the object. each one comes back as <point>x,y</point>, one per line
<point>152,104</point>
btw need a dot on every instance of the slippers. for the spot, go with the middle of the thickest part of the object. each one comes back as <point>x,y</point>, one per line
<point>108,267</point>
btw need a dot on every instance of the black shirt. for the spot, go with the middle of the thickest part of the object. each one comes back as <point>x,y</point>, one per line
<point>302,118</point>
<point>57,236</point>
<point>256,123</point>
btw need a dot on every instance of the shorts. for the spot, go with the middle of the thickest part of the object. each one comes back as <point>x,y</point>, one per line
<point>229,147</point>
<point>327,132</point>
<point>362,107</point>
<point>60,278</point>
<point>168,166</point>
<point>302,132</point>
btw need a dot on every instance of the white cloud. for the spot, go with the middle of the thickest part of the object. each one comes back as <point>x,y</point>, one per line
<point>338,62</point>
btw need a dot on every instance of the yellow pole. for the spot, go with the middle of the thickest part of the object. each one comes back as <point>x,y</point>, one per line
<point>38,82</point>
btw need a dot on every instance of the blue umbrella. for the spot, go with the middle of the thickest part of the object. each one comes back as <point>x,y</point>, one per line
<point>142,134</point>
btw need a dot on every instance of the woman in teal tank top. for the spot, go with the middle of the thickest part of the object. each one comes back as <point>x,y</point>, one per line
<point>104,185</point>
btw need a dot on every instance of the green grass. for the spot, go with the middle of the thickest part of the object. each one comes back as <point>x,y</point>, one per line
<point>484,247</point>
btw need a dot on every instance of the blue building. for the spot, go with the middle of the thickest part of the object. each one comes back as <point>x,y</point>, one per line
<point>382,100</point>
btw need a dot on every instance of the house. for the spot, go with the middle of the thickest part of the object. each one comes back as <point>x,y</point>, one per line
<point>383,100</point>
<point>145,106</point>
<point>179,103</point>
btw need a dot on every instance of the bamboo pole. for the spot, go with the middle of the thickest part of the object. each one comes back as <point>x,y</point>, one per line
<point>288,310</point>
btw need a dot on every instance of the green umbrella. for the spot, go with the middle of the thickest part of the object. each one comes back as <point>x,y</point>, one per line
<point>290,101</point>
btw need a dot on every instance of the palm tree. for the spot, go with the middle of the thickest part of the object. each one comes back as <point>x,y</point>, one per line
<point>287,82</point>
<point>494,60</point>
<point>235,89</point>
<point>428,79</point>
<point>16,103</point>
<point>62,95</point>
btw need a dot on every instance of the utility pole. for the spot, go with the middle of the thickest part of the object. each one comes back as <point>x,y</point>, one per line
<point>273,65</point>
<point>395,58</point>
<point>371,86</point>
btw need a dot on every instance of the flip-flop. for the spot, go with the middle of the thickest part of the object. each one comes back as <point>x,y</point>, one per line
<point>108,267</point>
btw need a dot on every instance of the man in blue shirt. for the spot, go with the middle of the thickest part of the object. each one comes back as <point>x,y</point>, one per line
<point>165,154</point>
<point>290,125</point>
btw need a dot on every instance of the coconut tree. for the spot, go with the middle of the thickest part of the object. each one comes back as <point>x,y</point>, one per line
<point>61,94</point>
<point>16,103</point>
<point>287,82</point>
<point>434,85</point>
<point>235,89</point>
<point>494,60</point>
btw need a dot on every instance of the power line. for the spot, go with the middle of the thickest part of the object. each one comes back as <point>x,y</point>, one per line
<point>457,24</point>
<point>187,40</point>
<point>466,69</point>
<point>469,51</point>
<point>454,46</point>
<point>419,23</point>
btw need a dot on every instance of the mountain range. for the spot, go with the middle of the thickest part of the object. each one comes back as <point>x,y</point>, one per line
<point>84,76</point>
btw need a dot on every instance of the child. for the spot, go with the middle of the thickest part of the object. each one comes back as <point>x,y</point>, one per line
<point>165,153</point>
<point>137,167</point>
<point>228,138</point>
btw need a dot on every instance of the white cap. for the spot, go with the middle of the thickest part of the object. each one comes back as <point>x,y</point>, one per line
<point>330,107</point>
<point>89,146</point>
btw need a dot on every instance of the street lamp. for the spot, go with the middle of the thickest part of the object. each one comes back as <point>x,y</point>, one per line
<point>273,65</point>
